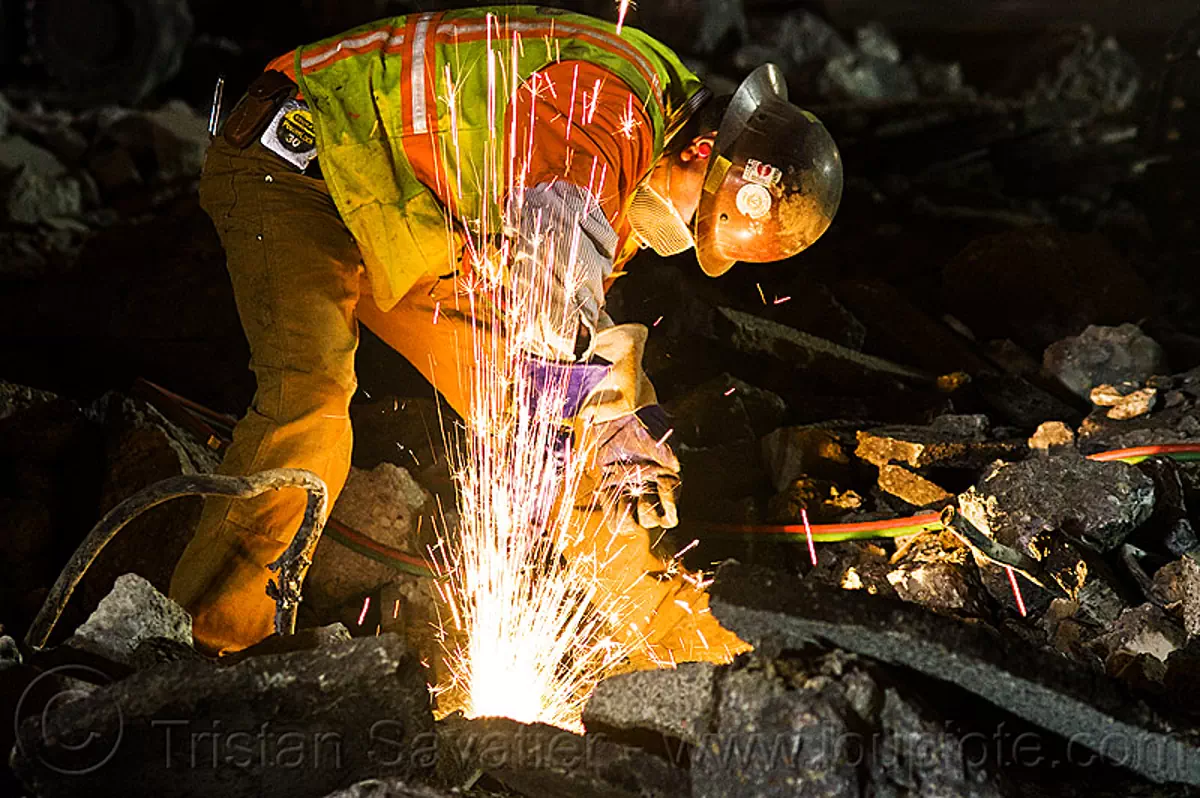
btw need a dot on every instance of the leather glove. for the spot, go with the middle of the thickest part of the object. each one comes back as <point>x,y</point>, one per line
<point>639,467</point>
<point>564,252</point>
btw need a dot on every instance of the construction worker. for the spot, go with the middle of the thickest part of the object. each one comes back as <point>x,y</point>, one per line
<point>355,183</point>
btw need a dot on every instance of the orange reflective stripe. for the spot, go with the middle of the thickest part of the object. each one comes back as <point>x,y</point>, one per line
<point>285,63</point>
<point>421,145</point>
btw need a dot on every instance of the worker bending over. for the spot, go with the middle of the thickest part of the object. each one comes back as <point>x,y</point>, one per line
<point>352,184</point>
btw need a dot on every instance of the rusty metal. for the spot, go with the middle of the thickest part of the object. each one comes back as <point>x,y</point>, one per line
<point>291,566</point>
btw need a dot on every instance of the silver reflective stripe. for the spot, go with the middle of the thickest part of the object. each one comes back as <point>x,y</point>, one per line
<point>557,28</point>
<point>361,41</point>
<point>420,123</point>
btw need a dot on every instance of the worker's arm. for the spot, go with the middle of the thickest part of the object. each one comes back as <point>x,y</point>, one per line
<point>584,144</point>
<point>581,142</point>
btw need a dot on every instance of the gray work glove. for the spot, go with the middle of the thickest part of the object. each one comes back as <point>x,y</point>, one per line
<point>564,252</point>
<point>636,466</point>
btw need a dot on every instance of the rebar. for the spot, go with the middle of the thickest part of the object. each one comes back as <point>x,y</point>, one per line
<point>291,566</point>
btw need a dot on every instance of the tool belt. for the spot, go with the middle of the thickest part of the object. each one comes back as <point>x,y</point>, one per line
<point>271,114</point>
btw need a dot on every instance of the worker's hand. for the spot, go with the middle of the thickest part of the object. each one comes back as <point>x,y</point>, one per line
<point>564,252</point>
<point>639,468</point>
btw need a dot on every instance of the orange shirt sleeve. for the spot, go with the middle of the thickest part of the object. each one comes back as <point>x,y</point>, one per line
<point>578,122</point>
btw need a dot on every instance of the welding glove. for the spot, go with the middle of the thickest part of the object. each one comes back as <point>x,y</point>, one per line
<point>636,464</point>
<point>564,251</point>
<point>622,420</point>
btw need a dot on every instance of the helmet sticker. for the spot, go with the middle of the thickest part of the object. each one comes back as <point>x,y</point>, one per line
<point>754,200</point>
<point>761,173</point>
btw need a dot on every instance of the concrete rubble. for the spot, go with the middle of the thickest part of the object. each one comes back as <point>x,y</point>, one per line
<point>298,724</point>
<point>676,703</point>
<point>131,614</point>
<point>1008,289</point>
<point>389,507</point>
<point>543,760</point>
<point>1097,504</point>
<point>1031,684</point>
<point>1104,356</point>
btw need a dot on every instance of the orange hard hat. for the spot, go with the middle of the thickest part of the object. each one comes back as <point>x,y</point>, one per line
<point>774,179</point>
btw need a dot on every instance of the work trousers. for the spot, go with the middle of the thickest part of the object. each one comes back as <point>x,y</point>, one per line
<point>301,291</point>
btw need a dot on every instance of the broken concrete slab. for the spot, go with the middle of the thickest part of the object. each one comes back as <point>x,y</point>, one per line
<point>14,398</point>
<point>1021,402</point>
<point>758,337</point>
<point>855,565</point>
<point>903,331</point>
<point>299,724</point>
<point>141,447</point>
<point>824,452</point>
<point>37,186</point>
<point>936,570</point>
<point>921,447</point>
<point>1124,401</point>
<point>1170,526</point>
<point>765,606</point>
<point>820,499</point>
<point>412,607</point>
<point>1096,503</point>
<point>1179,582</point>
<point>386,504</point>
<point>308,639</point>
<point>546,762</point>
<point>917,756</point>
<point>777,738</point>
<point>1145,629</point>
<point>10,653</point>
<point>676,702</point>
<point>995,580</point>
<point>132,613</point>
<point>911,487</point>
<point>1095,77</point>
<point>1051,435</point>
<point>1104,355</point>
<point>724,410</point>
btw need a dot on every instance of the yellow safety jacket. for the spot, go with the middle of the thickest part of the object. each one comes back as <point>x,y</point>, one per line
<point>413,108</point>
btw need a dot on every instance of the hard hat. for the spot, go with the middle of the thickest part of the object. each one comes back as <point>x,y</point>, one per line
<point>774,179</point>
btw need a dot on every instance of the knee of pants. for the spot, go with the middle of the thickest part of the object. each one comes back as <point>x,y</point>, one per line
<point>288,396</point>
<point>299,421</point>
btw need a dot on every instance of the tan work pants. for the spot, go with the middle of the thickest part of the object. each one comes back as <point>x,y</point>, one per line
<point>300,289</point>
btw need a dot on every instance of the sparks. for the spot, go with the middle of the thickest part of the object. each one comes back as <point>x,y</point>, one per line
<point>362,616</point>
<point>1016,589</point>
<point>761,295</point>
<point>779,300</point>
<point>656,321</point>
<point>527,633</point>
<point>808,533</point>
<point>437,311</point>
<point>628,120</point>
<point>730,391</point>
<point>622,10</point>
<point>571,107</point>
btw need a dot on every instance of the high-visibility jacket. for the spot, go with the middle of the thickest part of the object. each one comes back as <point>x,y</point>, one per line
<point>412,124</point>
